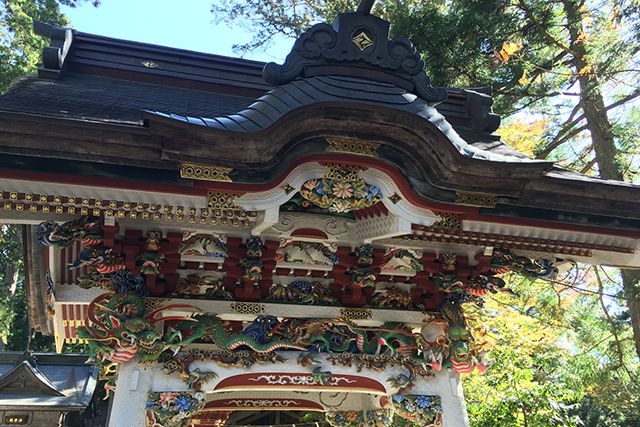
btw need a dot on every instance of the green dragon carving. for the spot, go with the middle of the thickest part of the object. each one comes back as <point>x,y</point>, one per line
<point>118,328</point>
<point>209,328</point>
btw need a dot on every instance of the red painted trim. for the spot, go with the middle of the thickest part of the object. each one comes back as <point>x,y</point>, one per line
<point>309,232</point>
<point>229,404</point>
<point>200,188</point>
<point>257,380</point>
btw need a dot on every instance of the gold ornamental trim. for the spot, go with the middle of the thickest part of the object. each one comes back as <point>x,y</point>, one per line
<point>448,223</point>
<point>362,40</point>
<point>219,200</point>
<point>395,198</point>
<point>353,313</point>
<point>483,200</point>
<point>343,172</point>
<point>152,303</point>
<point>137,210</point>
<point>204,172</point>
<point>248,308</point>
<point>353,146</point>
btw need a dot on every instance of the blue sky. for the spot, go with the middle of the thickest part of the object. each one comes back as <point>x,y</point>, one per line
<point>186,25</point>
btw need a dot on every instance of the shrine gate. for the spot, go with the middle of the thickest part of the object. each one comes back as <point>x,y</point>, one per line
<point>230,237</point>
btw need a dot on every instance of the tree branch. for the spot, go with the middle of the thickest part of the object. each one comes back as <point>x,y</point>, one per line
<point>548,37</point>
<point>612,324</point>
<point>561,137</point>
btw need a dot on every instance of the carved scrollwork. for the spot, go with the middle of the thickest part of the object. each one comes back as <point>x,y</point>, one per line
<point>334,227</point>
<point>355,39</point>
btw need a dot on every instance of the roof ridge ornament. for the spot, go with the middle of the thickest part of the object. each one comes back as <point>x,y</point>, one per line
<point>356,45</point>
<point>29,357</point>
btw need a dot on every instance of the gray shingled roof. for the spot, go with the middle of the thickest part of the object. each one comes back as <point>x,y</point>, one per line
<point>69,374</point>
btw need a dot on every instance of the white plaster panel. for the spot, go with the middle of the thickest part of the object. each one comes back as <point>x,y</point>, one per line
<point>130,398</point>
<point>403,208</point>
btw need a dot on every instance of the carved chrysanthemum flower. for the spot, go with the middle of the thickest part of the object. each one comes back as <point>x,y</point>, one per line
<point>342,190</point>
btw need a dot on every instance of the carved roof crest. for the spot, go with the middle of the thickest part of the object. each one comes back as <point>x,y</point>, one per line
<point>355,44</point>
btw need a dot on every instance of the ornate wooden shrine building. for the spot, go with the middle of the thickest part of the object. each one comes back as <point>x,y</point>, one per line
<point>230,236</point>
<point>45,390</point>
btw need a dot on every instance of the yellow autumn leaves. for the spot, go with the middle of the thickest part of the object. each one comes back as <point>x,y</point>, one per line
<point>507,50</point>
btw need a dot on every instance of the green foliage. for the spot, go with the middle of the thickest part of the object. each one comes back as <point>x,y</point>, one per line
<point>19,333</point>
<point>15,332</point>
<point>555,360</point>
<point>20,47</point>
<point>11,279</point>
<point>539,56</point>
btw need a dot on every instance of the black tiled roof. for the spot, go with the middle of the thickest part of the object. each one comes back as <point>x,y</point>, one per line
<point>103,79</point>
<point>272,106</point>
<point>89,97</point>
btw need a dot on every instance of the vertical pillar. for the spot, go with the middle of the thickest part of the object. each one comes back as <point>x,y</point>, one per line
<point>454,409</point>
<point>130,398</point>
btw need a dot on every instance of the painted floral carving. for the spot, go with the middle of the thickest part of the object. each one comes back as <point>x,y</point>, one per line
<point>170,409</point>
<point>362,275</point>
<point>420,410</point>
<point>393,297</point>
<point>251,266</point>
<point>151,258</point>
<point>303,379</point>
<point>340,196</point>
<point>209,286</point>
<point>406,260</point>
<point>265,403</point>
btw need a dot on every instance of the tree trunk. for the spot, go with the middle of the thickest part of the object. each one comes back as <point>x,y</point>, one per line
<point>631,284</point>
<point>604,147</point>
<point>603,142</point>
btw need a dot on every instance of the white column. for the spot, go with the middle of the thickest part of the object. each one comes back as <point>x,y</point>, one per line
<point>130,399</point>
<point>454,409</point>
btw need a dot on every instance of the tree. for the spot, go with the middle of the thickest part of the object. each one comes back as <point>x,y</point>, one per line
<point>11,278</point>
<point>538,55</point>
<point>20,47</point>
<point>556,357</point>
